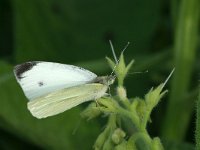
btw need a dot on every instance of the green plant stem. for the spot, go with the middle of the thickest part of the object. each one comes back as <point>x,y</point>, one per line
<point>197,133</point>
<point>126,103</point>
<point>104,137</point>
<point>146,118</point>
<point>134,118</point>
<point>112,121</point>
<point>186,36</point>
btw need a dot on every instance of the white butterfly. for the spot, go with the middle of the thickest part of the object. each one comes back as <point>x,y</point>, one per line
<point>53,88</point>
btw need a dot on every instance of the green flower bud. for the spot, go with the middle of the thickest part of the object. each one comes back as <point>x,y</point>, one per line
<point>118,136</point>
<point>121,92</point>
<point>91,111</point>
<point>122,145</point>
<point>156,144</point>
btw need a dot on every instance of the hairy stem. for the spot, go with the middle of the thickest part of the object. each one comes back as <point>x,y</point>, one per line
<point>186,36</point>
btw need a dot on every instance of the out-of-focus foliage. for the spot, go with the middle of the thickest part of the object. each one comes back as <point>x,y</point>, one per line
<point>61,30</point>
<point>77,32</point>
<point>186,41</point>
<point>198,124</point>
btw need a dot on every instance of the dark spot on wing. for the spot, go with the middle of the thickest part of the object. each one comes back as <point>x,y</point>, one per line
<point>20,69</point>
<point>40,83</point>
<point>81,68</point>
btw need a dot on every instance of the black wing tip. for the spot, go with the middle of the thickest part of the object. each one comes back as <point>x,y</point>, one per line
<point>22,68</point>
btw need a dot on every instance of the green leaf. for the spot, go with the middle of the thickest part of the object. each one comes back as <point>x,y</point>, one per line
<point>153,96</point>
<point>110,62</point>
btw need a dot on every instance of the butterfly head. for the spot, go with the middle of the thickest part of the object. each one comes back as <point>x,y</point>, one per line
<point>105,80</point>
<point>110,79</point>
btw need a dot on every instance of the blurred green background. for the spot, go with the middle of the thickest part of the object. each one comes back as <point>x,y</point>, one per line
<point>162,34</point>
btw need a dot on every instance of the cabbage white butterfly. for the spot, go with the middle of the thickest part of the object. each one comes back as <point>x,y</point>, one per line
<point>53,88</point>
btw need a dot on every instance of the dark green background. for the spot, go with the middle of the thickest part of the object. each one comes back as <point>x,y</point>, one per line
<point>77,32</point>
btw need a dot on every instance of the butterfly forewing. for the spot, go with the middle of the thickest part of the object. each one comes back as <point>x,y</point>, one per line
<point>39,78</point>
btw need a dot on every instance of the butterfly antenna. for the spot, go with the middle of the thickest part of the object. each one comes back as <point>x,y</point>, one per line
<point>113,69</point>
<point>114,55</point>
<point>113,51</point>
<point>168,78</point>
<point>125,48</point>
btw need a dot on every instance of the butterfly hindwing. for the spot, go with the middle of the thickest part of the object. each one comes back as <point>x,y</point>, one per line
<point>59,101</point>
